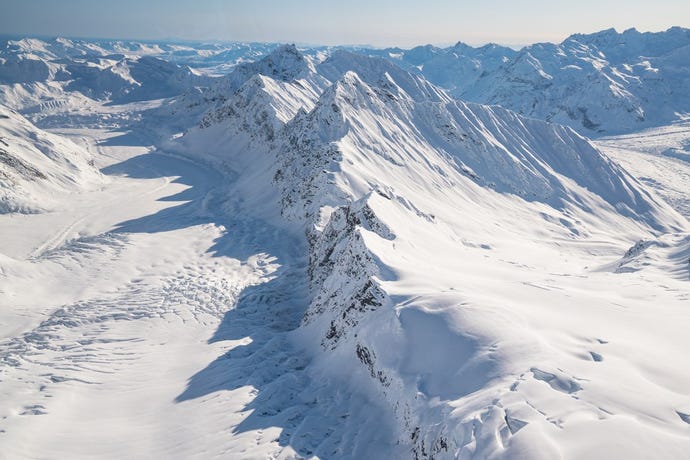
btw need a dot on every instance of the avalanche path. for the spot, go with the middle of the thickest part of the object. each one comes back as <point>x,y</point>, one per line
<point>149,320</point>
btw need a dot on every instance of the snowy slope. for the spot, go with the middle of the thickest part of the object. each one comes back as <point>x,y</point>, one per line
<point>38,169</point>
<point>440,234</point>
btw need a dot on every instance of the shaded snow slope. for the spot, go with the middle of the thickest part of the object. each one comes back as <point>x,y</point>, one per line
<point>38,169</point>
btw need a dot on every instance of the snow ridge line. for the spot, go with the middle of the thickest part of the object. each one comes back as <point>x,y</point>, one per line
<point>345,277</point>
<point>346,294</point>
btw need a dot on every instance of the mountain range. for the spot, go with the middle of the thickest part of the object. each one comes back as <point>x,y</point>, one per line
<point>342,253</point>
<point>411,202</point>
<point>605,82</point>
<point>601,83</point>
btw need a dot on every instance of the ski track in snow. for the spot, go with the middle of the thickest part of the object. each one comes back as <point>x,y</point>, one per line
<point>189,356</point>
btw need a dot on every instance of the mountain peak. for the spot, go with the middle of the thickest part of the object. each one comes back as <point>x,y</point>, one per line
<point>378,72</point>
<point>284,63</point>
<point>593,38</point>
<point>287,48</point>
<point>461,46</point>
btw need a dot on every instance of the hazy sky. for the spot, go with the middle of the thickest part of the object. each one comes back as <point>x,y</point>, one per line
<point>375,22</point>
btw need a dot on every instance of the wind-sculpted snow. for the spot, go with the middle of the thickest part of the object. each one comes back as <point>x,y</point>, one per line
<point>35,166</point>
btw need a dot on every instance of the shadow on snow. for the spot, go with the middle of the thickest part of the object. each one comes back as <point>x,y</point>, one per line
<point>314,417</point>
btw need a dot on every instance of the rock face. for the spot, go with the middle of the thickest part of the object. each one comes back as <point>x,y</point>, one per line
<point>403,194</point>
<point>36,167</point>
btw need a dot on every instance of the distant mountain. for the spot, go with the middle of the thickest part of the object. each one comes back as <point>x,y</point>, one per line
<point>598,83</point>
<point>38,168</point>
<point>453,68</point>
<point>58,78</point>
<point>215,57</point>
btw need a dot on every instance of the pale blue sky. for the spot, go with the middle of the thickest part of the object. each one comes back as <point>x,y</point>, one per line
<point>381,23</point>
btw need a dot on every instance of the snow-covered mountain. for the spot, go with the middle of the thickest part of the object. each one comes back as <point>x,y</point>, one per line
<point>284,67</point>
<point>211,57</point>
<point>120,79</point>
<point>414,205</point>
<point>603,82</point>
<point>342,260</point>
<point>599,83</point>
<point>44,79</point>
<point>454,68</point>
<point>37,168</point>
